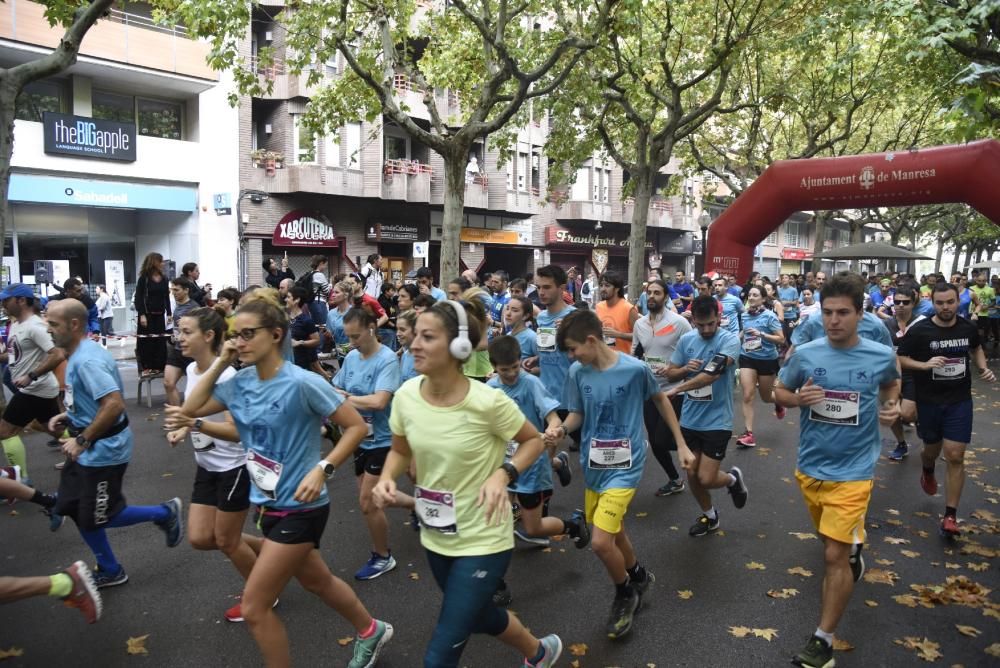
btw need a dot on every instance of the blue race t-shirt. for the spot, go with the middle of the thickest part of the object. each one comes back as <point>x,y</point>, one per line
<point>789,294</point>
<point>709,408</point>
<point>731,309</point>
<point>553,364</point>
<point>438,294</point>
<point>757,347</point>
<point>839,438</point>
<point>91,375</point>
<point>526,339</point>
<point>613,438</point>
<point>496,308</point>
<point>279,424</point>
<point>870,327</point>
<point>530,396</point>
<point>406,370</point>
<point>335,325</point>
<point>360,377</point>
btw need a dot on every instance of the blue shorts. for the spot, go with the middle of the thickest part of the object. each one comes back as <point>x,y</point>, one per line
<point>937,422</point>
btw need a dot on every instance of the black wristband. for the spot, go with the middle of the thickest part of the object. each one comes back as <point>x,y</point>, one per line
<point>512,473</point>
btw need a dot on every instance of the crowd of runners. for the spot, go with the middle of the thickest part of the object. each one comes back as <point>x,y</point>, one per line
<point>459,406</point>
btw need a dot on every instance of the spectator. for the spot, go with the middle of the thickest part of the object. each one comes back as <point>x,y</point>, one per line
<point>152,305</point>
<point>320,288</point>
<point>198,295</point>
<point>273,276</point>
<point>371,276</point>
<point>73,289</point>
<point>105,314</point>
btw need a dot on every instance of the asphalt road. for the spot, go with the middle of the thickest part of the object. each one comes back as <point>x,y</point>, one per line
<point>178,596</point>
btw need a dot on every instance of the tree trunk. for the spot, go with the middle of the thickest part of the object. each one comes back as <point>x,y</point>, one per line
<point>637,236</point>
<point>820,219</point>
<point>454,205</point>
<point>954,260</point>
<point>940,252</point>
<point>968,259</point>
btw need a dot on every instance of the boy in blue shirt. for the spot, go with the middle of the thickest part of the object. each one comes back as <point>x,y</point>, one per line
<point>605,392</point>
<point>732,307</point>
<point>845,386</point>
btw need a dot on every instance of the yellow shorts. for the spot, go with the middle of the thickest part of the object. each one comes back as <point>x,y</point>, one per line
<point>837,508</point>
<point>606,510</point>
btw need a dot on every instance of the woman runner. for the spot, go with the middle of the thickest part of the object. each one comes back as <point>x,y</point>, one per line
<point>761,334</point>
<point>406,323</point>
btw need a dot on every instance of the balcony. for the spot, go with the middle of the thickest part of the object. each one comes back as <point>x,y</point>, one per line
<point>520,201</point>
<point>407,180</point>
<point>584,210</point>
<point>307,178</point>
<point>121,37</point>
<point>477,193</point>
<point>661,212</point>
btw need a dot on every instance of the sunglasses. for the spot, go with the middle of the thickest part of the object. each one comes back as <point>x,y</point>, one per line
<point>250,332</point>
<point>902,302</point>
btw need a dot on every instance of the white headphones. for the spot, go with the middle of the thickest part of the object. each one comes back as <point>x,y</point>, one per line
<point>460,347</point>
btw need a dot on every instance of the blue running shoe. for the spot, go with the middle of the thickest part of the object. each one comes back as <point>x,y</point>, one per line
<point>103,580</point>
<point>376,566</point>
<point>552,649</point>
<point>173,526</point>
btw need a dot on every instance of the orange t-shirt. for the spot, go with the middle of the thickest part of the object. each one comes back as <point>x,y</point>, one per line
<point>617,318</point>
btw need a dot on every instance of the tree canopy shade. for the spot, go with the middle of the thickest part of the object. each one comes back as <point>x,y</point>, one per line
<point>967,173</point>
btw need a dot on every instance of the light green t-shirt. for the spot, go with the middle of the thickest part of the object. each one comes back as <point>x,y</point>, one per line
<point>478,365</point>
<point>455,450</point>
<point>986,297</point>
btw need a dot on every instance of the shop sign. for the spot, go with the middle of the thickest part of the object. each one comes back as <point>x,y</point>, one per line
<point>304,229</point>
<point>475,235</point>
<point>655,261</point>
<point>795,254</point>
<point>682,244</point>
<point>599,257</point>
<point>85,137</point>
<point>91,192</point>
<point>560,236</point>
<point>378,232</point>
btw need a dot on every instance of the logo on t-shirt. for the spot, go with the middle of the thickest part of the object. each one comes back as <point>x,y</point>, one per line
<point>16,348</point>
<point>819,372</point>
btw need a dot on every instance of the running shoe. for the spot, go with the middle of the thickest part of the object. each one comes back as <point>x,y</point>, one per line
<point>11,473</point>
<point>552,648</point>
<point>738,490</point>
<point>84,596</point>
<point>515,510</point>
<point>704,526</point>
<point>235,613</point>
<point>582,540</point>
<point>55,519</point>
<point>746,440</point>
<point>672,487</point>
<point>949,526</point>
<point>902,449</point>
<point>366,649</point>
<point>928,483</point>
<point>780,412</point>
<point>376,566</point>
<point>817,654</point>
<point>103,580</point>
<point>173,526</point>
<point>501,597</point>
<point>622,612</point>
<point>642,586</point>
<point>541,541</point>
<point>857,561</point>
<point>564,472</point>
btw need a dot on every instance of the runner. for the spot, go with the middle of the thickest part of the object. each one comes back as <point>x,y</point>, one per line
<point>341,298</point>
<point>13,489</point>
<point>845,386</point>
<point>406,323</point>
<point>303,332</point>
<point>32,359</point>
<point>367,380</point>
<point>456,430</point>
<point>683,290</point>
<point>98,447</point>
<point>177,363</point>
<point>655,338</point>
<point>870,327</point>
<point>278,409</point>
<point>604,394</point>
<point>517,315</point>
<point>221,495</point>
<point>705,362</point>
<point>761,335</point>
<point>74,586</point>
<point>939,351</point>
<point>788,294</point>
<point>616,313</point>
<point>899,323</point>
<point>732,307</point>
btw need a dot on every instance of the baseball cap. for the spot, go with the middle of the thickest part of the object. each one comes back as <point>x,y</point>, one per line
<point>16,290</point>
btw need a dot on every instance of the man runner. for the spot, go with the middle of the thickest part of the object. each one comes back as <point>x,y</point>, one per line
<point>903,317</point>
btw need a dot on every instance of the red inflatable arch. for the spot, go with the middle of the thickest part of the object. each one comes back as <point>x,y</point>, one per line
<point>967,173</point>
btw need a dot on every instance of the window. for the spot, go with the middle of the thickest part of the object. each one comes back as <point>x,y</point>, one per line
<point>523,170</point>
<point>304,142</point>
<point>795,235</point>
<point>36,98</point>
<point>353,140</point>
<point>396,148</point>
<point>113,107</point>
<point>159,119</point>
<point>581,186</point>
<point>772,239</point>
<point>606,186</point>
<point>509,169</point>
<point>332,148</point>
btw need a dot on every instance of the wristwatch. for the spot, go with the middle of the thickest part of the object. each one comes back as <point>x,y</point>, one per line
<point>512,473</point>
<point>33,376</point>
<point>197,424</point>
<point>327,468</point>
<point>82,441</point>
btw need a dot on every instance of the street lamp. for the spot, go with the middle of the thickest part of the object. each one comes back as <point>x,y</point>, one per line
<point>255,196</point>
<point>704,220</point>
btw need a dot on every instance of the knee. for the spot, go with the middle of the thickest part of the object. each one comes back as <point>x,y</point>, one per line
<point>954,456</point>
<point>169,384</point>
<point>367,503</point>
<point>227,544</point>
<point>705,479</point>
<point>602,543</point>
<point>254,608</point>
<point>836,554</point>
<point>201,541</point>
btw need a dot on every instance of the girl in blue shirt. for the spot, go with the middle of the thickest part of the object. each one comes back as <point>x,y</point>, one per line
<point>516,317</point>
<point>278,409</point>
<point>762,334</point>
<point>406,321</point>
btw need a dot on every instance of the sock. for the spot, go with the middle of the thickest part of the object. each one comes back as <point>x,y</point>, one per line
<point>13,447</point>
<point>539,655</point>
<point>137,514</point>
<point>711,514</point>
<point>637,573</point>
<point>97,541</point>
<point>824,636</point>
<point>732,480</point>
<point>44,500</point>
<point>624,590</point>
<point>60,585</point>
<point>369,632</point>
<point>950,511</point>
<point>929,471</point>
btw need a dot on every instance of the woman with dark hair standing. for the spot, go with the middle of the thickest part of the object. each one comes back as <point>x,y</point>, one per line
<point>192,272</point>
<point>152,305</point>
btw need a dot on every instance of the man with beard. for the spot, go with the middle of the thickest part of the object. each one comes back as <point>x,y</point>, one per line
<point>617,315</point>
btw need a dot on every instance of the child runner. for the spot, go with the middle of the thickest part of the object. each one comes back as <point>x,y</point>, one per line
<point>406,321</point>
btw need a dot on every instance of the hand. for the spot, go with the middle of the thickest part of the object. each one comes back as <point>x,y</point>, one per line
<point>494,494</point>
<point>71,448</point>
<point>672,392</point>
<point>530,363</point>
<point>142,320</point>
<point>176,418</point>
<point>57,424</point>
<point>935,362</point>
<point>310,487</point>
<point>660,370</point>
<point>888,412</point>
<point>229,353</point>
<point>22,381</point>
<point>284,263</point>
<point>686,314</point>
<point>384,493</point>
<point>607,331</point>
<point>553,435</point>
<point>810,395</point>
<point>176,436</point>
<point>693,365</point>
<point>296,344</point>
<point>986,374</point>
<point>752,332</point>
<point>685,457</point>
<point>424,290</point>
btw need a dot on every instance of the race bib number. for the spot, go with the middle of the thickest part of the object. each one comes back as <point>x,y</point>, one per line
<point>370,426</point>
<point>752,343</point>
<point>655,362</point>
<point>201,442</point>
<point>545,339</point>
<point>68,399</point>
<point>436,509</point>
<point>511,449</point>
<point>265,473</point>
<point>701,394</point>
<point>610,454</point>
<point>840,408</point>
<point>953,369</point>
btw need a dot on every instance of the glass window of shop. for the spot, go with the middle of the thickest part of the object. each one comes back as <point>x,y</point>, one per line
<point>38,97</point>
<point>113,107</point>
<point>156,118</point>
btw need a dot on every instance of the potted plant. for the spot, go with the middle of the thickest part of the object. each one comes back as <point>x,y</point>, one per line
<point>279,159</point>
<point>257,156</point>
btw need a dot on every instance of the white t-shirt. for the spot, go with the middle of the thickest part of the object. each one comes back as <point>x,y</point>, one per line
<point>29,344</point>
<point>373,281</point>
<point>214,454</point>
<point>104,309</point>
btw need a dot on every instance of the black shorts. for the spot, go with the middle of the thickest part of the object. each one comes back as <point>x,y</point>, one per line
<point>533,500</point>
<point>23,408</point>
<point>174,358</point>
<point>229,491</point>
<point>370,461</point>
<point>305,526</point>
<point>91,495</point>
<point>712,444</point>
<point>908,387</point>
<point>762,367</point>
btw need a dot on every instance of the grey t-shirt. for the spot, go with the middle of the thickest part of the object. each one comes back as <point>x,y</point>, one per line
<point>29,344</point>
<point>658,341</point>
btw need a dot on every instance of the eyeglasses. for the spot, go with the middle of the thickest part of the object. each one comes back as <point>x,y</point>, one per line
<point>902,302</point>
<point>248,333</point>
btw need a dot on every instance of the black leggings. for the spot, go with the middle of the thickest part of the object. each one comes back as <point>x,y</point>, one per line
<point>661,440</point>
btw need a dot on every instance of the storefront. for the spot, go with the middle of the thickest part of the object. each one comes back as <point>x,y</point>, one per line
<point>394,241</point>
<point>570,248</point>
<point>489,243</point>
<point>301,234</point>
<point>793,259</point>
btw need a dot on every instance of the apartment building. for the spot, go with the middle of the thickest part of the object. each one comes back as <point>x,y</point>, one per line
<point>369,188</point>
<point>131,150</point>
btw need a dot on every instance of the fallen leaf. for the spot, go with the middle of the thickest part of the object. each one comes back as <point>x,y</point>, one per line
<point>766,634</point>
<point>979,568</point>
<point>167,475</point>
<point>344,642</point>
<point>892,511</point>
<point>881,576</point>
<point>994,649</point>
<point>921,513</point>
<point>926,649</point>
<point>802,536</point>
<point>546,549</point>
<point>921,533</point>
<point>970,631</point>
<point>755,566</point>
<point>782,593</point>
<point>842,645</point>
<point>740,631</point>
<point>951,565</point>
<point>787,480</point>
<point>17,651</point>
<point>720,533</point>
<point>414,576</point>
<point>909,600</point>
<point>137,645</point>
<point>578,649</point>
<point>574,664</point>
<point>798,570</point>
<point>641,514</point>
<point>895,523</point>
<point>984,515</point>
<point>991,612</point>
<point>884,562</point>
<point>896,541</point>
<point>684,594</point>
<point>909,553</point>
<point>871,604</point>
<point>13,513</point>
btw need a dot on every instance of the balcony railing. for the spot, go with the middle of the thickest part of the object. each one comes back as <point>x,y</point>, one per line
<point>269,71</point>
<point>406,167</point>
<point>128,19</point>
